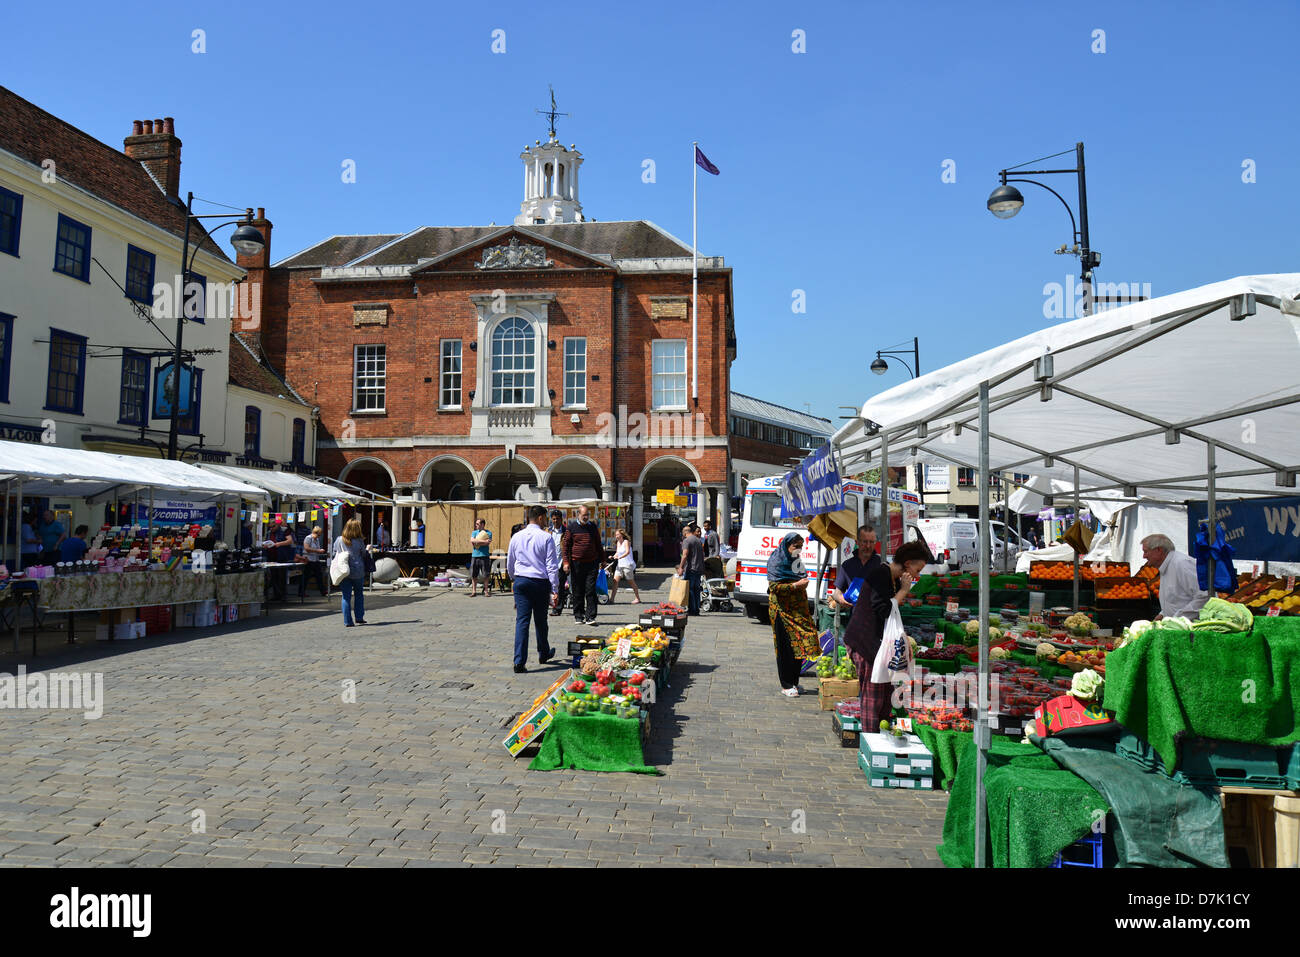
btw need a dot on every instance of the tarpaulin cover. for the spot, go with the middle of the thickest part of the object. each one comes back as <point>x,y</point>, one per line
<point>1228,687</point>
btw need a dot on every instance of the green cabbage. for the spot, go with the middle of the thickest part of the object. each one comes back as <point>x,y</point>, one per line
<point>1173,624</point>
<point>1133,632</point>
<point>1086,685</point>
<point>1225,617</point>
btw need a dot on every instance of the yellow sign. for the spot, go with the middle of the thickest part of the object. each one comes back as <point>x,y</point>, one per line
<point>681,500</point>
<point>666,496</point>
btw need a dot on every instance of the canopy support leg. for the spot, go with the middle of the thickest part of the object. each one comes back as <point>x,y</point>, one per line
<point>1210,531</point>
<point>1077,514</point>
<point>981,711</point>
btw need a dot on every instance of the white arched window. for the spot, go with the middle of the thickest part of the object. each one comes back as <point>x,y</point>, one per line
<point>514,363</point>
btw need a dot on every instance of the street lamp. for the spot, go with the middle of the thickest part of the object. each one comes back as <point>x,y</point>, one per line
<point>879,366</point>
<point>1006,201</point>
<point>247,240</point>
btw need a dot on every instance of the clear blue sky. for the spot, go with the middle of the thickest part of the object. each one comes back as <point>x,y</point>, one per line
<point>831,160</point>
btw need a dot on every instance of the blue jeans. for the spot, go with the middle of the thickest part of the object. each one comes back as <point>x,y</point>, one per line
<point>693,603</point>
<point>354,601</point>
<point>532,599</point>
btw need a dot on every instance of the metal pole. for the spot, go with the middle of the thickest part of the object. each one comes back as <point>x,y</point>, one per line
<point>1210,529</point>
<point>883,532</point>
<point>18,537</point>
<point>1076,554</point>
<point>149,557</point>
<point>174,423</point>
<point>1006,520</point>
<point>5,533</point>
<point>1085,249</point>
<point>981,711</point>
<point>695,281</point>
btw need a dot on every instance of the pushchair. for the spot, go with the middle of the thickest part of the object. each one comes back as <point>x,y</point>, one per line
<point>715,589</point>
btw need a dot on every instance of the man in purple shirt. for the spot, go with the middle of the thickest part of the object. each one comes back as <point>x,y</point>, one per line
<point>533,566</point>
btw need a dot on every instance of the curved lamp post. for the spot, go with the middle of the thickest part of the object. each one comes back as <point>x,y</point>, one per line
<point>1006,201</point>
<point>247,240</point>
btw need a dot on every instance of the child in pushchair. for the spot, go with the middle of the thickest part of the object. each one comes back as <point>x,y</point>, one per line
<point>715,591</point>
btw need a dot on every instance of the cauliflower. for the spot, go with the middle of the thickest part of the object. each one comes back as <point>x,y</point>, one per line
<point>1045,649</point>
<point>998,653</point>
<point>1132,633</point>
<point>912,642</point>
<point>995,634</point>
<point>1086,685</point>
<point>972,627</point>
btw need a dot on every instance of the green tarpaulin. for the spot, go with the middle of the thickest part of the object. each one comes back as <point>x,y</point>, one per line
<point>592,742</point>
<point>1229,687</point>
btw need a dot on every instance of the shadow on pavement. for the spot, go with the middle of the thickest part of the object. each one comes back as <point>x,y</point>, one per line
<point>667,722</point>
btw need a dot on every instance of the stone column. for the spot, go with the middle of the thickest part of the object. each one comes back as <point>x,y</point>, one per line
<point>607,492</point>
<point>480,493</point>
<point>633,494</point>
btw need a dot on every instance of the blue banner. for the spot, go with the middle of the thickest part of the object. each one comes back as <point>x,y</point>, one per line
<point>1267,529</point>
<point>814,488</point>
<point>164,389</point>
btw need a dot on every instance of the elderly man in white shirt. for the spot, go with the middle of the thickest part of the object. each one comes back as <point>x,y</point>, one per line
<point>1180,591</point>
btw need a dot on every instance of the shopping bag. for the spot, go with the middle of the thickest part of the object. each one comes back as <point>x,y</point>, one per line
<point>339,568</point>
<point>602,583</point>
<point>368,559</point>
<point>679,593</point>
<point>895,652</point>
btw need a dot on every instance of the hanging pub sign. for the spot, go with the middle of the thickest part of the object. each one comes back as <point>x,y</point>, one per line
<point>814,486</point>
<point>164,391</point>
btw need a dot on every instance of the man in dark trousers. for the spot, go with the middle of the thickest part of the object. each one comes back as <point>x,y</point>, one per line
<point>857,567</point>
<point>582,555</point>
<point>557,534</point>
<point>691,567</point>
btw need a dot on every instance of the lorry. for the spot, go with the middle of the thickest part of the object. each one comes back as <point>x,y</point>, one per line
<point>762,529</point>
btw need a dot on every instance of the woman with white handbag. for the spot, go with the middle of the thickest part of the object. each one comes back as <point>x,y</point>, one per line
<point>875,637</point>
<point>348,571</point>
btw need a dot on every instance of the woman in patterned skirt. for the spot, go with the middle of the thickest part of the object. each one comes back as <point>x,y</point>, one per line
<point>794,633</point>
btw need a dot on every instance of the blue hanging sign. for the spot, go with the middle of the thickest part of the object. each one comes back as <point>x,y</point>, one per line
<point>814,487</point>
<point>164,390</point>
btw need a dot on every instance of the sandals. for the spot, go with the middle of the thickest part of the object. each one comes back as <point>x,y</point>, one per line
<point>790,692</point>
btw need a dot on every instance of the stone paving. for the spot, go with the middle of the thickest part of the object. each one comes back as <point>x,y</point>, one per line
<point>244,730</point>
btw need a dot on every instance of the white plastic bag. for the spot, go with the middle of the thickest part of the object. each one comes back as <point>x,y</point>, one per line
<point>890,646</point>
<point>339,567</point>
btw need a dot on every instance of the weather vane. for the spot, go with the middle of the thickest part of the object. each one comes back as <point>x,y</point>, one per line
<point>551,112</point>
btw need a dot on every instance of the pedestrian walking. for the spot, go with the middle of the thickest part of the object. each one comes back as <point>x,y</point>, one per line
<point>794,633</point>
<point>480,559</point>
<point>354,545</point>
<point>625,570</point>
<point>533,565</point>
<point>691,566</point>
<point>582,556</point>
<point>712,544</point>
<point>557,534</point>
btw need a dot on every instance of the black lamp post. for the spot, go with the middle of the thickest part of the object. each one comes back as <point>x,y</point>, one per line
<point>1006,201</point>
<point>879,366</point>
<point>247,240</point>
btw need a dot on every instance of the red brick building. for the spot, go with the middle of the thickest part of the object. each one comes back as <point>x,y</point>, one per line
<point>465,362</point>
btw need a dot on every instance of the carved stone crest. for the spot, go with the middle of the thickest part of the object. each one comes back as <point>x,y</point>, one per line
<point>514,256</point>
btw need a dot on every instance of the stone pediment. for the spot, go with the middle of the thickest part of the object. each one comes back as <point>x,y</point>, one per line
<point>514,255</point>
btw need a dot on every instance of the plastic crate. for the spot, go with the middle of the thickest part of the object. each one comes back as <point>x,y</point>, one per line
<point>877,780</point>
<point>1241,765</point>
<point>846,729</point>
<point>1085,852</point>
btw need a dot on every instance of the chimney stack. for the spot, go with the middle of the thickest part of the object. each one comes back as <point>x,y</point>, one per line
<point>154,144</point>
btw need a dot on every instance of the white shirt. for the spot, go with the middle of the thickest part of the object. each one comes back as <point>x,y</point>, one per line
<point>1180,592</point>
<point>624,555</point>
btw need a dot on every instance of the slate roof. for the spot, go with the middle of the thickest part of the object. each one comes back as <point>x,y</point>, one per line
<point>250,370</point>
<point>337,251</point>
<point>751,408</point>
<point>34,135</point>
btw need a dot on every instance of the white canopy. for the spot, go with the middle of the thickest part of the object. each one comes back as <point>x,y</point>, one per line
<point>1135,396</point>
<point>288,485</point>
<point>48,470</point>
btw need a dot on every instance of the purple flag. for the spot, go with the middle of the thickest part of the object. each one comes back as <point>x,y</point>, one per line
<point>703,163</point>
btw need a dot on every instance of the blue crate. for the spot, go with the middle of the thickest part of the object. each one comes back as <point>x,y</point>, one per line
<point>1088,847</point>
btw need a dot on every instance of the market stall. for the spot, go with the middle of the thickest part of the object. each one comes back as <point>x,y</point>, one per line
<point>1087,402</point>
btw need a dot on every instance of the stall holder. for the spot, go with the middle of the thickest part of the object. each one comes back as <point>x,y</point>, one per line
<point>1079,402</point>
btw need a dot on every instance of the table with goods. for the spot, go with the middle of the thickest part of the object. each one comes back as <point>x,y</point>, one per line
<point>597,715</point>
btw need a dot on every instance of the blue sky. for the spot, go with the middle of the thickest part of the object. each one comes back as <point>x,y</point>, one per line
<point>831,159</point>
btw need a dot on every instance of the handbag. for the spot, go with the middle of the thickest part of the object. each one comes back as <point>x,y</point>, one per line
<point>895,652</point>
<point>368,560</point>
<point>339,567</point>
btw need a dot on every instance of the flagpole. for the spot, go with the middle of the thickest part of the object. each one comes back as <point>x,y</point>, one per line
<point>695,280</point>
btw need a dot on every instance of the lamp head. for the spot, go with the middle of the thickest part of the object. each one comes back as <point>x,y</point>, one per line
<point>879,366</point>
<point>247,240</point>
<point>1005,201</point>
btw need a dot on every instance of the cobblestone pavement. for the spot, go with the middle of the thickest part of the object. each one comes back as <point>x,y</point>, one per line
<point>245,727</point>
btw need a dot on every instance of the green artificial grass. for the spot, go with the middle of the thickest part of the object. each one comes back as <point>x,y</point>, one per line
<point>592,742</point>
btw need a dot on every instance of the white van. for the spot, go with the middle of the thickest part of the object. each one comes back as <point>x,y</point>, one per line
<point>952,542</point>
<point>762,529</point>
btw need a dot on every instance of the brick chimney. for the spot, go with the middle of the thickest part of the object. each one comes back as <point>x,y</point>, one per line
<point>155,144</point>
<point>251,302</point>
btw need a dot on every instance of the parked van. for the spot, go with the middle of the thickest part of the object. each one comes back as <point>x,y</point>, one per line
<point>762,529</point>
<point>952,542</point>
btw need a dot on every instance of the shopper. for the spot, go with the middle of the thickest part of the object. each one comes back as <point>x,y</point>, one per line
<point>582,556</point>
<point>313,549</point>
<point>712,544</point>
<point>74,549</point>
<point>557,535</point>
<point>1181,594</point>
<point>691,566</point>
<point>480,559</point>
<point>382,538</point>
<point>354,545</point>
<point>282,553</point>
<point>31,542</point>
<point>794,634</point>
<point>533,565</point>
<point>625,571</point>
<point>52,534</point>
<point>855,568</point>
<point>886,587</point>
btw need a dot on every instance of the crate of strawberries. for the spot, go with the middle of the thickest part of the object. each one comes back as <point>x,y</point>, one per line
<point>666,615</point>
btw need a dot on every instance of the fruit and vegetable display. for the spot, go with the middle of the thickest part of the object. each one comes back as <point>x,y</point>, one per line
<point>1079,624</point>
<point>664,608</point>
<point>946,653</point>
<point>1224,617</point>
<point>942,719</point>
<point>1268,592</point>
<point>644,642</point>
<point>1130,589</point>
<point>845,670</point>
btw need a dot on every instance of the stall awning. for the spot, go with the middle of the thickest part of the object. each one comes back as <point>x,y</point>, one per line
<point>48,470</point>
<point>284,485</point>
<point>1132,396</point>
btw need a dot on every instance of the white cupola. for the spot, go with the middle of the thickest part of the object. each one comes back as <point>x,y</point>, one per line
<point>550,181</point>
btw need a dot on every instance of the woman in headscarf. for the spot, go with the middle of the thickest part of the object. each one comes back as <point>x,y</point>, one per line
<point>884,585</point>
<point>793,631</point>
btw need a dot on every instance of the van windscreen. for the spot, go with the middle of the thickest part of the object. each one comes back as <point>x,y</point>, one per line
<point>765,511</point>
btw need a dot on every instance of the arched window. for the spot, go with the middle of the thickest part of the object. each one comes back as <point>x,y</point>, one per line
<point>514,363</point>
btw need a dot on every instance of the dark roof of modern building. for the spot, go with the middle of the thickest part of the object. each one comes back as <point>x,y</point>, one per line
<point>629,239</point>
<point>34,135</point>
<point>249,369</point>
<point>752,408</point>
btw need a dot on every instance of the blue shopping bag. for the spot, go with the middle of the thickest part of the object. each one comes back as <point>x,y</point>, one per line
<point>602,583</point>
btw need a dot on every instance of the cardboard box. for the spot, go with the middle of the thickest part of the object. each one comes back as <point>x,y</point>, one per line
<point>830,691</point>
<point>230,613</point>
<point>886,755</point>
<point>877,780</point>
<point>103,632</point>
<point>529,726</point>
<point>124,631</point>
